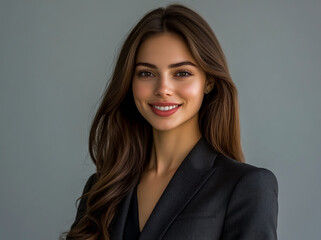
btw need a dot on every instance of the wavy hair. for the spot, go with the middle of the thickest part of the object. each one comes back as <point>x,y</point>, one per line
<point>120,138</point>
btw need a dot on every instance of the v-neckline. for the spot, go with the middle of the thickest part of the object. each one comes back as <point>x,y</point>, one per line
<point>199,164</point>
<point>135,193</point>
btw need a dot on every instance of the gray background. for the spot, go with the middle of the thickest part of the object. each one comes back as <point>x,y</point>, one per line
<point>56,57</point>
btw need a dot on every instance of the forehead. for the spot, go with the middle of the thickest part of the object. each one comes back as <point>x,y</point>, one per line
<point>164,48</point>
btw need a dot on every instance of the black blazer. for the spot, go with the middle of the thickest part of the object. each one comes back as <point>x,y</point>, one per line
<point>210,197</point>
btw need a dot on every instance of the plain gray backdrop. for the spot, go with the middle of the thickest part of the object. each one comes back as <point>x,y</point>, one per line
<point>56,58</point>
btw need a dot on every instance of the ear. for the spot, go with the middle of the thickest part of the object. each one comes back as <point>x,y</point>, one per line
<point>209,87</point>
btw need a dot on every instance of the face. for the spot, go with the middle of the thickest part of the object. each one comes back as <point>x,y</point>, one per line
<point>168,86</point>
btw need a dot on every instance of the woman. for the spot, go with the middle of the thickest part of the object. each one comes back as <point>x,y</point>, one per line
<point>166,143</point>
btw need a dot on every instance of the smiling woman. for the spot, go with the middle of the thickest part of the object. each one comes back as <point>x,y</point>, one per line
<point>166,143</point>
<point>168,86</point>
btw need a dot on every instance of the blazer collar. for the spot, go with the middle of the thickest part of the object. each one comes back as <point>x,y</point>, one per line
<point>193,172</point>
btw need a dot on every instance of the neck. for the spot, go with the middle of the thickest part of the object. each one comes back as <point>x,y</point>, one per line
<point>171,147</point>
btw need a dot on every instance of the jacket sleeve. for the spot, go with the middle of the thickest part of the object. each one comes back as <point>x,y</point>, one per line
<point>81,210</point>
<point>253,208</point>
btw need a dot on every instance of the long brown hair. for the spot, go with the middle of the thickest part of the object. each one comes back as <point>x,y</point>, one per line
<point>120,138</point>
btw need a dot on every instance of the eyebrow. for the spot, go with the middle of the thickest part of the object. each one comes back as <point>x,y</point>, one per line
<point>174,65</point>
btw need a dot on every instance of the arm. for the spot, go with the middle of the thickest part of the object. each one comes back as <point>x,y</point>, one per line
<point>81,210</point>
<point>253,208</point>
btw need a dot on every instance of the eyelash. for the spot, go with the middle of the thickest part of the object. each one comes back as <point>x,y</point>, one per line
<point>150,74</point>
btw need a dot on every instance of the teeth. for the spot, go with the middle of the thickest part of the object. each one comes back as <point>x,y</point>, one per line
<point>165,108</point>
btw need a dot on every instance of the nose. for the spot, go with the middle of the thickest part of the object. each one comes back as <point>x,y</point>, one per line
<point>163,87</point>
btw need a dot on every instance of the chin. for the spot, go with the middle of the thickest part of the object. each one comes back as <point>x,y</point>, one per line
<point>162,128</point>
<point>165,126</point>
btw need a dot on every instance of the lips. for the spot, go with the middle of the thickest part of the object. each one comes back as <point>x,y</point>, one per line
<point>163,103</point>
<point>164,109</point>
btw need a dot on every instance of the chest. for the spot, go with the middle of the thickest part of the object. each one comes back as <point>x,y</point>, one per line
<point>149,191</point>
<point>201,218</point>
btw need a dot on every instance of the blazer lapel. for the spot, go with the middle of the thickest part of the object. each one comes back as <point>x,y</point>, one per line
<point>118,224</point>
<point>187,180</point>
<point>193,172</point>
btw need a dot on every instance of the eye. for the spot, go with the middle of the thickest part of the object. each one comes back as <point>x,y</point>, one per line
<point>144,74</point>
<point>183,74</point>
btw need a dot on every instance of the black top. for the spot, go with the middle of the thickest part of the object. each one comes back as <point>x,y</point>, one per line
<point>224,199</point>
<point>132,223</point>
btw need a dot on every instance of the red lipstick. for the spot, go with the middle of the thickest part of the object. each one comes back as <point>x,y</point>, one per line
<point>164,109</point>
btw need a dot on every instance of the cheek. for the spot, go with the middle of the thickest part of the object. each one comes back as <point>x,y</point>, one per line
<point>140,90</point>
<point>192,91</point>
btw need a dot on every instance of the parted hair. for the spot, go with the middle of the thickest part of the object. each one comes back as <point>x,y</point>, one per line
<point>120,139</point>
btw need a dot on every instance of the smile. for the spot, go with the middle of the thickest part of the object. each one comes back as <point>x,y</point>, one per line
<point>165,108</point>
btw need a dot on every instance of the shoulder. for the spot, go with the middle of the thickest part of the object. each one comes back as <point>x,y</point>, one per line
<point>243,173</point>
<point>252,200</point>
<point>90,182</point>
<point>81,210</point>
<point>242,180</point>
